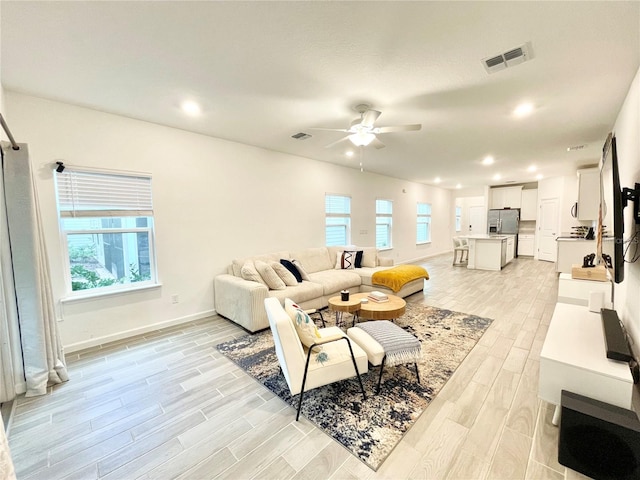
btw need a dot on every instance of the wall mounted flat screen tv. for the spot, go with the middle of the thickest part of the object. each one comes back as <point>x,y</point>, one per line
<point>611,219</point>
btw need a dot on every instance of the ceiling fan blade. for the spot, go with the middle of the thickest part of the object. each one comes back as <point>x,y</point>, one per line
<point>329,129</point>
<point>376,143</point>
<point>398,128</point>
<point>333,144</point>
<point>369,117</point>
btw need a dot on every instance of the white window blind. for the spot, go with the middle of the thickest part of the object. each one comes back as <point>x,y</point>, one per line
<point>91,194</point>
<point>384,212</point>
<point>337,219</point>
<point>423,223</point>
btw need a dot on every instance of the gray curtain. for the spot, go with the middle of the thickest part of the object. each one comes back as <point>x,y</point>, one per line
<point>42,353</point>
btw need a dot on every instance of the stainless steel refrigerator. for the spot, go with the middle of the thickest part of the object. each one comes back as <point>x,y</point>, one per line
<point>504,222</point>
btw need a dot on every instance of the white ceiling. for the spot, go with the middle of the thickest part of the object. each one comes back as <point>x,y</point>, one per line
<point>263,71</point>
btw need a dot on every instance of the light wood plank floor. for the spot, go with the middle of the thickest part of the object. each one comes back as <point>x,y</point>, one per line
<point>168,405</point>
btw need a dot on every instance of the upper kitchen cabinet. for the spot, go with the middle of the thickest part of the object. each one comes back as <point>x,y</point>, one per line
<point>506,197</point>
<point>588,194</point>
<point>529,207</point>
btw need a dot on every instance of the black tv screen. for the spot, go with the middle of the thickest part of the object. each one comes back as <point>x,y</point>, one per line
<point>611,221</point>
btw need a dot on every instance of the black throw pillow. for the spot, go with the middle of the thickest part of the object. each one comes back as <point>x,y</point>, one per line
<point>292,268</point>
<point>359,258</point>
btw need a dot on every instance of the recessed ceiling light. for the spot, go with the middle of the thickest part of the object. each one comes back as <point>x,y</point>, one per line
<point>437,180</point>
<point>532,168</point>
<point>539,176</point>
<point>190,108</point>
<point>458,186</point>
<point>497,176</point>
<point>523,110</point>
<point>349,153</point>
<point>488,160</point>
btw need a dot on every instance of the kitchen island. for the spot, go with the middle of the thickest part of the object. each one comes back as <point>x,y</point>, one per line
<point>490,252</point>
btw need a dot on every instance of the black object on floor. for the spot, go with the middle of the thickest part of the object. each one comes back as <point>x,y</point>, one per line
<point>598,439</point>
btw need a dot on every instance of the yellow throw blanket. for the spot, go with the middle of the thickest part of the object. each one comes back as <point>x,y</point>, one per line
<point>397,277</point>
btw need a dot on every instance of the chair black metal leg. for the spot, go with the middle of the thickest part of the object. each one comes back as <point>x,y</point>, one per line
<point>353,359</point>
<point>280,372</point>
<point>304,381</point>
<point>417,374</point>
<point>322,318</point>
<point>380,377</point>
<point>299,405</point>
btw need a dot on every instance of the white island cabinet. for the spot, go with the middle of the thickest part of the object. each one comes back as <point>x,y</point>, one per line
<point>488,252</point>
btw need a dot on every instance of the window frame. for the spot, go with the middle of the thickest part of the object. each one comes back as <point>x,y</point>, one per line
<point>458,219</point>
<point>337,215</point>
<point>139,209</point>
<point>423,218</point>
<point>388,217</point>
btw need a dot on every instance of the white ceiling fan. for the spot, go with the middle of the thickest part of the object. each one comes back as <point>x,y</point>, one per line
<point>362,132</point>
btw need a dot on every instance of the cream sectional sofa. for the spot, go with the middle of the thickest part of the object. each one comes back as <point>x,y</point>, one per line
<point>242,301</point>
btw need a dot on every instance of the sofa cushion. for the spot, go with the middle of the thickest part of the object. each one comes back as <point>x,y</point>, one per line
<point>268,274</point>
<point>366,274</point>
<point>305,326</point>
<point>314,259</point>
<point>301,293</point>
<point>237,263</point>
<point>369,257</point>
<point>292,268</point>
<point>249,272</point>
<point>287,277</point>
<point>333,281</point>
<point>303,273</point>
<point>346,260</point>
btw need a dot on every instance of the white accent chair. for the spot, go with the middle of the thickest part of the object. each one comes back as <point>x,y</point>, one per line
<point>345,358</point>
<point>460,245</point>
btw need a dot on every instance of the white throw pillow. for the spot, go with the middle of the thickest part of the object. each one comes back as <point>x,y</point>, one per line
<point>249,272</point>
<point>346,260</point>
<point>369,257</point>
<point>303,272</point>
<point>306,328</point>
<point>287,277</point>
<point>269,275</point>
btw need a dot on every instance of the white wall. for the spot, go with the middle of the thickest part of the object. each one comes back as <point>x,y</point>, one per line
<point>466,203</point>
<point>627,130</point>
<point>214,200</point>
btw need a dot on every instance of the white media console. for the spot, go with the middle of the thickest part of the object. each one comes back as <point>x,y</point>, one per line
<point>574,358</point>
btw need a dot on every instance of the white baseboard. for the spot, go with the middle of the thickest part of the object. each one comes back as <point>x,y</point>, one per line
<point>420,259</point>
<point>93,342</point>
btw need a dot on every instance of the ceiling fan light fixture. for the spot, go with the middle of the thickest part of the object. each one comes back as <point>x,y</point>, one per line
<point>362,139</point>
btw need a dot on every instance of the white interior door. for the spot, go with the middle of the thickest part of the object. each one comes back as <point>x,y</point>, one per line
<point>548,230</point>
<point>477,220</point>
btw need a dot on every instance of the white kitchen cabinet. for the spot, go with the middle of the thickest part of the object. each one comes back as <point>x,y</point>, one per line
<point>511,248</point>
<point>588,194</point>
<point>506,197</point>
<point>488,252</point>
<point>529,206</point>
<point>526,245</point>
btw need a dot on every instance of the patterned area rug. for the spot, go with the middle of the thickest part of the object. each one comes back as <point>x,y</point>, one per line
<point>371,429</point>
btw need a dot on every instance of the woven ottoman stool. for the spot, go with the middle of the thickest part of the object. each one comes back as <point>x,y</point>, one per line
<point>386,344</point>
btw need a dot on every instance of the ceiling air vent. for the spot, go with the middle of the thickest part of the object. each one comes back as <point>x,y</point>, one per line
<point>510,58</point>
<point>301,136</point>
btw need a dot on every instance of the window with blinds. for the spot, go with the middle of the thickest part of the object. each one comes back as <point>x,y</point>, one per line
<point>423,222</point>
<point>337,220</point>
<point>458,219</point>
<point>106,222</point>
<point>384,214</point>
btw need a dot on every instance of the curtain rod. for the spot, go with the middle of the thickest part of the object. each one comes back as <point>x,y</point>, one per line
<point>14,145</point>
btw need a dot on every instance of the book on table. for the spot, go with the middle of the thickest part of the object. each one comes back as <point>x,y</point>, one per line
<point>378,296</point>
